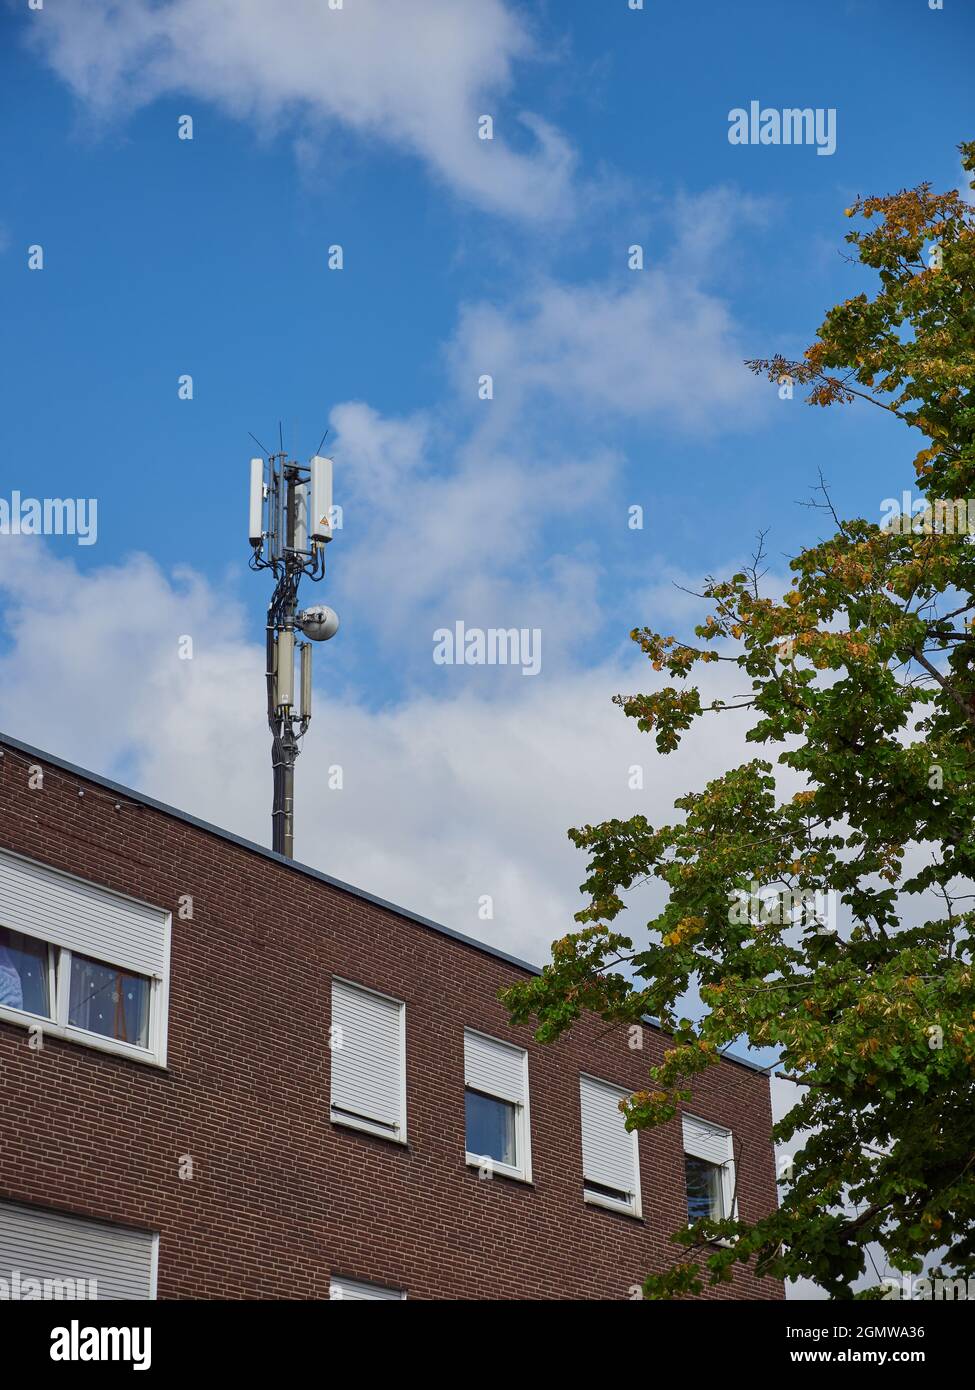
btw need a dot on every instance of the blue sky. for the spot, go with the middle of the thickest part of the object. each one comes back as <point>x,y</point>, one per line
<point>461,257</point>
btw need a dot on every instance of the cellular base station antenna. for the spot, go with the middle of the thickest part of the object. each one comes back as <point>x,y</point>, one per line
<point>290,526</point>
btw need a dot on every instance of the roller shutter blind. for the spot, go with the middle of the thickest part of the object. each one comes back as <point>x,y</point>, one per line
<point>707,1141</point>
<point>496,1068</point>
<point>49,1245</point>
<point>41,902</point>
<point>368,1067</point>
<point>609,1154</point>
<point>350,1290</point>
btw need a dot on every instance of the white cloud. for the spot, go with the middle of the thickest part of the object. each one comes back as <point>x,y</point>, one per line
<point>656,346</point>
<point>498,511</point>
<point>415,76</point>
<point>710,224</point>
<point>447,796</point>
<point>386,455</point>
<point>465,543</point>
<point>965,186</point>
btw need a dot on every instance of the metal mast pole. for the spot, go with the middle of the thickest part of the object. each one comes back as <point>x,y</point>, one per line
<point>281,618</point>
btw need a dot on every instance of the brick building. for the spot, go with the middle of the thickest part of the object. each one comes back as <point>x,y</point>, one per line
<point>225,1075</point>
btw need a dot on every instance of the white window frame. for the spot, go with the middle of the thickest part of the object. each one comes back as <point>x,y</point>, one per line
<point>599,1199</point>
<point>522,1170</point>
<point>361,1122</point>
<point>59,995</point>
<point>729,1198</point>
<point>339,1282</point>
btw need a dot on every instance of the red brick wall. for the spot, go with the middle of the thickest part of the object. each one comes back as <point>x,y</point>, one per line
<point>281,1199</point>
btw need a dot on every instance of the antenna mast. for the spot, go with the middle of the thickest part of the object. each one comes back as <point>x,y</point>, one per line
<point>290,525</point>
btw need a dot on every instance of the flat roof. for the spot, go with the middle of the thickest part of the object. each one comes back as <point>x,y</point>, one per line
<point>38,755</point>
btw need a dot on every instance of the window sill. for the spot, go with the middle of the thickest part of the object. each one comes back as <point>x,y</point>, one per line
<point>723,1242</point>
<point>81,1037</point>
<point>607,1204</point>
<point>365,1127</point>
<point>499,1170</point>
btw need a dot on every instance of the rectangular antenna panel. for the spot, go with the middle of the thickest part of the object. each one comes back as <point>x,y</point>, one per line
<point>301,516</point>
<point>256,532</point>
<point>284,670</point>
<point>305,680</point>
<point>321,499</point>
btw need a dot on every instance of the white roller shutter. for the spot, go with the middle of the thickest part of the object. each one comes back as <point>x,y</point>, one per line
<point>368,1060</point>
<point>609,1154</point>
<point>496,1068</point>
<point>350,1290</point>
<point>708,1141</point>
<point>47,1245</point>
<point>41,902</point>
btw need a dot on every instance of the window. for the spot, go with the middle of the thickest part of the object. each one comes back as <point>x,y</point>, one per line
<point>25,973</point>
<point>496,1105</point>
<point>55,1256</point>
<point>709,1170</point>
<point>705,1196</point>
<point>87,963</point>
<point>355,1290</point>
<point>491,1127</point>
<point>368,1046</point>
<point>109,1001</point>
<point>610,1156</point>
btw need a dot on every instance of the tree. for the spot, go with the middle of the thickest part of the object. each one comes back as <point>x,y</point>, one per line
<point>862,685</point>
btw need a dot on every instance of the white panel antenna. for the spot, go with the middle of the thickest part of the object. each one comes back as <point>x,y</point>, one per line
<point>301,542</point>
<point>305,710</point>
<point>256,531</point>
<point>321,498</point>
<point>284,670</point>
